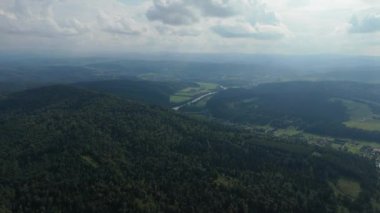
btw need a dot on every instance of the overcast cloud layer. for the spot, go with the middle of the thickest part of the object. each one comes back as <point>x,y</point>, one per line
<point>244,26</point>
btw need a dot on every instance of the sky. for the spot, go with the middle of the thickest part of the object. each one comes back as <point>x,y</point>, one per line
<point>196,26</point>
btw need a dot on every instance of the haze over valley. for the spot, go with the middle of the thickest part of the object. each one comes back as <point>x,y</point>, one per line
<point>189,106</point>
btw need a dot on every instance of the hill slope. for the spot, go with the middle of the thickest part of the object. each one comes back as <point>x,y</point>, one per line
<point>70,150</point>
<point>327,108</point>
<point>145,91</point>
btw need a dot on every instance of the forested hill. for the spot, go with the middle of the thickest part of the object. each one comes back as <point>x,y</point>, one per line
<point>144,91</point>
<point>337,109</point>
<point>71,150</point>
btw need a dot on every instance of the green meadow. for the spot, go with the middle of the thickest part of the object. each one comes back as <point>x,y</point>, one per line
<point>192,92</point>
<point>361,116</point>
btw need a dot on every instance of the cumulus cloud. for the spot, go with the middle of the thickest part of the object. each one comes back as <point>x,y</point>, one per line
<point>7,15</point>
<point>369,23</point>
<point>256,21</point>
<point>260,32</point>
<point>186,12</point>
<point>164,25</point>
<point>62,18</point>
<point>46,27</point>
<point>172,12</point>
<point>214,8</point>
<point>122,26</point>
<point>37,18</point>
<point>261,15</point>
<point>165,30</point>
<point>298,3</point>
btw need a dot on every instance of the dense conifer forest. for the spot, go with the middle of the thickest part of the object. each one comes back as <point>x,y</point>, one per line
<point>65,149</point>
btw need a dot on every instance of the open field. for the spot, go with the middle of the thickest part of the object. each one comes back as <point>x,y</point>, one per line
<point>190,93</point>
<point>291,131</point>
<point>361,116</point>
<point>345,144</point>
<point>346,187</point>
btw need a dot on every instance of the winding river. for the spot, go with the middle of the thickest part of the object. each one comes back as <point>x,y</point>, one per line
<point>195,100</point>
<point>176,108</point>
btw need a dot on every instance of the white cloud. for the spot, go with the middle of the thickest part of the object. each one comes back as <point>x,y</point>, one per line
<point>289,26</point>
<point>7,15</point>
<point>37,18</point>
<point>186,12</point>
<point>255,20</point>
<point>54,18</point>
<point>247,30</point>
<point>368,23</point>
<point>214,8</point>
<point>174,31</point>
<point>119,25</point>
<point>172,12</point>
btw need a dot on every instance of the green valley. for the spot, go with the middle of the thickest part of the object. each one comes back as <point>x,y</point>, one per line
<point>192,92</point>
